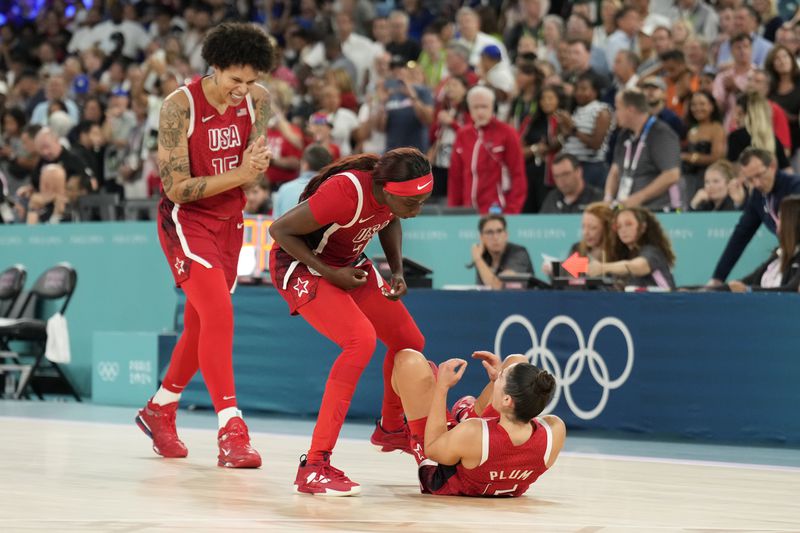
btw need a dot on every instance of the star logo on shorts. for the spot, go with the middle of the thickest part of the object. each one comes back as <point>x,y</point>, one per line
<point>301,287</point>
<point>179,265</point>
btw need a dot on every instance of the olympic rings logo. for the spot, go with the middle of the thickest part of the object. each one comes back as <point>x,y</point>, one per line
<point>108,370</point>
<point>575,363</point>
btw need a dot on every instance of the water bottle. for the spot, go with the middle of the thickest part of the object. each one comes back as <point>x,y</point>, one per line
<point>496,209</point>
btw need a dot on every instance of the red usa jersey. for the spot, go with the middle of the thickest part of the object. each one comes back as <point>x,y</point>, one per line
<point>216,145</point>
<point>350,215</point>
<point>505,469</point>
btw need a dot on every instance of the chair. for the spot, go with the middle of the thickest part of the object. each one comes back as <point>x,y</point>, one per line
<point>134,208</point>
<point>99,206</point>
<point>54,284</point>
<point>12,281</point>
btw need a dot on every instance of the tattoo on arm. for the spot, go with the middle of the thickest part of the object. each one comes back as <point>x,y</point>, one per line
<point>263,109</point>
<point>194,189</point>
<point>173,125</point>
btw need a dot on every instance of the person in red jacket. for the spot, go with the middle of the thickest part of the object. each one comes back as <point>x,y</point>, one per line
<point>487,168</point>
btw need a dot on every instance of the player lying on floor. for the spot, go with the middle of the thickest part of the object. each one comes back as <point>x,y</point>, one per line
<point>497,446</point>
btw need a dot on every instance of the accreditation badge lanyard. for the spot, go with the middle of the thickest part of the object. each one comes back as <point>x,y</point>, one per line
<point>629,165</point>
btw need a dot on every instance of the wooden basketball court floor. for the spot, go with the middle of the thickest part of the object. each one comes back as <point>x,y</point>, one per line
<point>71,467</point>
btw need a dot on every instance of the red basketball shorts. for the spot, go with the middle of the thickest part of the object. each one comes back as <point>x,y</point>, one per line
<point>191,239</point>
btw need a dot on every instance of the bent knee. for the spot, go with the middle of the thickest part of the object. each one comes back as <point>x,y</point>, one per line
<point>409,358</point>
<point>361,340</point>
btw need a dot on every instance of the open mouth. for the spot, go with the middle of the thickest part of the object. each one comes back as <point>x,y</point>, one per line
<point>237,97</point>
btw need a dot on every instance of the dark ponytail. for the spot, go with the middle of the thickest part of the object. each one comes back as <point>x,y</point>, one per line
<point>530,388</point>
<point>400,164</point>
<point>353,162</point>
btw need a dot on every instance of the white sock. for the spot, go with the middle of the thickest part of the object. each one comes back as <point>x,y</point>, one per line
<point>163,396</point>
<point>226,414</point>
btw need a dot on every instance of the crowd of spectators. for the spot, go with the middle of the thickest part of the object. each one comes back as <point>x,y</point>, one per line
<point>523,106</point>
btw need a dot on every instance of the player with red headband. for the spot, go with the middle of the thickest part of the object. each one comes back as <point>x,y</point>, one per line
<point>318,266</point>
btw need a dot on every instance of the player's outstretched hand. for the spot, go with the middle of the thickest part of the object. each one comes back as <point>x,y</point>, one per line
<point>347,278</point>
<point>450,372</point>
<point>397,288</point>
<point>491,362</point>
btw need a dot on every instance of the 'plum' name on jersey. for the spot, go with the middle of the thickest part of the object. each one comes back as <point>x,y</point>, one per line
<point>223,138</point>
<point>497,475</point>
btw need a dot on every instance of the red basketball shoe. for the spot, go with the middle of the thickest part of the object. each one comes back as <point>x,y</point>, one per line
<point>464,408</point>
<point>158,423</point>
<point>389,441</point>
<point>321,479</point>
<point>234,446</point>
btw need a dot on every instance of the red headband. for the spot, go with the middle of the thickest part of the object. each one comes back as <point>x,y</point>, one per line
<point>415,187</point>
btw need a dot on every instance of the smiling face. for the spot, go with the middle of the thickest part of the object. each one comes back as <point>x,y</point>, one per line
<point>234,83</point>
<point>700,107</point>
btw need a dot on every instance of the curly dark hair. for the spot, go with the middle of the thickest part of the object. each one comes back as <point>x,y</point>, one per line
<point>233,44</point>
<point>653,234</point>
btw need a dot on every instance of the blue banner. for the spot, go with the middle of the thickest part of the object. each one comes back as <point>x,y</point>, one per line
<point>721,367</point>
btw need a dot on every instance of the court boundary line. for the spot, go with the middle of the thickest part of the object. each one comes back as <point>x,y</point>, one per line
<point>576,454</point>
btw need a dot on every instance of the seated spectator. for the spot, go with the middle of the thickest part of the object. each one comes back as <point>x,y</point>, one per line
<point>529,23</point>
<point>595,240</point>
<point>646,156</point>
<point>586,130</point>
<point>494,255</point>
<point>697,54</point>
<point>451,114</point>
<point>768,187</point>
<point>315,157</point>
<point>487,168</point>
<point>77,187</point>
<point>571,194</point>
<point>579,56</point>
<point>579,26</point>
<point>755,116</point>
<point>91,146</point>
<point>320,127</point>
<point>705,142</point>
<point>540,144</point>
<point>781,271</point>
<point>641,253</point>
<point>50,150</point>
<point>258,198</point>
<point>722,189</point>
<point>48,205</point>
